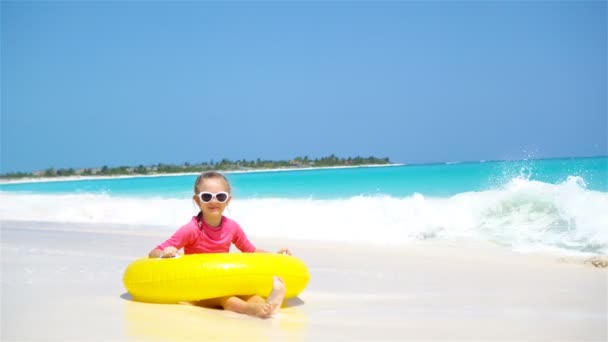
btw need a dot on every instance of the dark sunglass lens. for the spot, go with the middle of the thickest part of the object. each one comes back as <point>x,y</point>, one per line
<point>221,197</point>
<point>206,197</point>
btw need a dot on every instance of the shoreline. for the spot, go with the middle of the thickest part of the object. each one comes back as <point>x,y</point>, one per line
<point>104,177</point>
<point>466,250</point>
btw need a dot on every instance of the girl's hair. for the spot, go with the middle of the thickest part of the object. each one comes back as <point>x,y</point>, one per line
<point>208,175</point>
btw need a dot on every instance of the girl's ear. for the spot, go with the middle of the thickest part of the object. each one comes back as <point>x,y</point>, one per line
<point>227,203</point>
<point>196,199</point>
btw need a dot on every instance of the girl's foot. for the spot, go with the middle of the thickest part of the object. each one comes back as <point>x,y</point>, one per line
<point>261,310</point>
<point>277,294</point>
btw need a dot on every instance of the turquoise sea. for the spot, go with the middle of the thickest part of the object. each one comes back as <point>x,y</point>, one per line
<point>553,205</point>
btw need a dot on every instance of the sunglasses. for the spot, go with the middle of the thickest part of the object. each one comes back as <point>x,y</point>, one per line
<point>206,197</point>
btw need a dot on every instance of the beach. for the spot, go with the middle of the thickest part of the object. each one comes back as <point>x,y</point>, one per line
<point>63,281</point>
<point>440,167</point>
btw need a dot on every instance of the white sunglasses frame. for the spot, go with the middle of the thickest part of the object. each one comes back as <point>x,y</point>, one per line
<point>213,196</point>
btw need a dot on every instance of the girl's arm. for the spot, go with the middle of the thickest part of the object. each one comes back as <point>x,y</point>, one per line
<point>244,245</point>
<point>179,239</point>
<point>155,253</point>
<point>168,252</point>
<point>281,251</point>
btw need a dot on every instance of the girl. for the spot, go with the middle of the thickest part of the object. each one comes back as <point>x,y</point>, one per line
<point>211,232</point>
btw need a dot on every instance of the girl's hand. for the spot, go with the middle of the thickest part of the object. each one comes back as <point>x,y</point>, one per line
<point>285,251</point>
<point>169,252</point>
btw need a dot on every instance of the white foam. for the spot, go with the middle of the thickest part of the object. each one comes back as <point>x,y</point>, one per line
<point>525,215</point>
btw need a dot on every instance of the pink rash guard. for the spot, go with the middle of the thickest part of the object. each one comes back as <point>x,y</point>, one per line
<point>208,239</point>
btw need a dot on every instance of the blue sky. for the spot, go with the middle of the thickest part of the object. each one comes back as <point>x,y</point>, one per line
<point>86,84</point>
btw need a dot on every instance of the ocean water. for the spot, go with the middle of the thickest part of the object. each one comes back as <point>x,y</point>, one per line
<point>557,206</point>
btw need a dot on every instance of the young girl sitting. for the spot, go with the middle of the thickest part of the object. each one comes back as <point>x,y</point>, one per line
<point>211,232</point>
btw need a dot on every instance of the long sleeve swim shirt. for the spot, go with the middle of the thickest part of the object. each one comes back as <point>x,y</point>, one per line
<point>207,239</point>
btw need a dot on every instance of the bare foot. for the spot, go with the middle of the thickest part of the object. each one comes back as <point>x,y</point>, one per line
<point>261,310</point>
<point>275,299</point>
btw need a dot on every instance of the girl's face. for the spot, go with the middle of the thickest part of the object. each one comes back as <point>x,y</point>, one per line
<point>213,207</point>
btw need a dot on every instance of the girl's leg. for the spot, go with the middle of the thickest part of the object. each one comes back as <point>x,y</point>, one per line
<point>253,306</point>
<point>256,305</point>
<point>277,294</point>
<point>255,299</point>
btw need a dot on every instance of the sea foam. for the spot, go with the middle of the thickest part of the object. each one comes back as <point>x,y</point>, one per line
<point>524,215</point>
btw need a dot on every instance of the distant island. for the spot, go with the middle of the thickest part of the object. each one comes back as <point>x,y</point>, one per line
<point>223,165</point>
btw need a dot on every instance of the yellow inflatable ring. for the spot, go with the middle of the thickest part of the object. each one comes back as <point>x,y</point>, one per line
<point>202,276</point>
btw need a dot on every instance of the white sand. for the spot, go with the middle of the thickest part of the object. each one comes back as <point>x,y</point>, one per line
<point>64,282</point>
